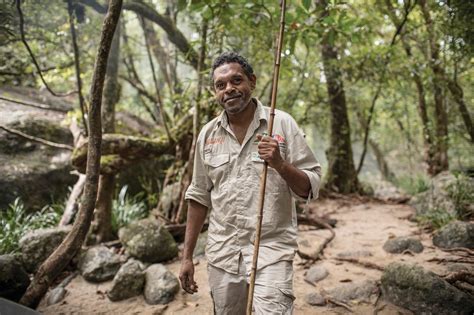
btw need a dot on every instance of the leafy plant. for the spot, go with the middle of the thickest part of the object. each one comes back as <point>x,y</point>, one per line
<point>15,222</point>
<point>461,193</point>
<point>127,209</point>
<point>413,185</point>
<point>435,218</point>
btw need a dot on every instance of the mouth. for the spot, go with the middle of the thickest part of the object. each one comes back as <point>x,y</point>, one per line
<point>230,98</point>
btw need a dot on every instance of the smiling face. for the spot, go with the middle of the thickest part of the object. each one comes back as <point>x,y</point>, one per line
<point>233,88</point>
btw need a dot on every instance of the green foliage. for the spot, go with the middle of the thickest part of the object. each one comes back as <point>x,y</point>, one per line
<point>435,218</point>
<point>127,209</point>
<point>413,185</point>
<point>461,193</point>
<point>16,222</point>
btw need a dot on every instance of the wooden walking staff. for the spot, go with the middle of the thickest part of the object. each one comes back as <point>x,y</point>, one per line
<point>263,178</point>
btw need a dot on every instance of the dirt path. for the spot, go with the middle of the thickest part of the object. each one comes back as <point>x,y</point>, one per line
<point>362,227</point>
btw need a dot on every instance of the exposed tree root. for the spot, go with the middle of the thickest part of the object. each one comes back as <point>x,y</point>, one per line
<point>464,275</point>
<point>366,264</point>
<point>465,260</point>
<point>319,251</point>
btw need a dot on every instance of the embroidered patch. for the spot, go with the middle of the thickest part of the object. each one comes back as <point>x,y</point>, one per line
<point>216,140</point>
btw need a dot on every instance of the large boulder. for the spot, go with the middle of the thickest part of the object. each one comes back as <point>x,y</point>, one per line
<point>99,264</point>
<point>37,245</point>
<point>455,234</point>
<point>35,172</point>
<point>400,244</point>
<point>423,292</point>
<point>128,282</point>
<point>148,241</point>
<point>13,278</point>
<point>160,285</point>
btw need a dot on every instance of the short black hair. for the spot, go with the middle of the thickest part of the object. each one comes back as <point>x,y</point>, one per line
<point>230,57</point>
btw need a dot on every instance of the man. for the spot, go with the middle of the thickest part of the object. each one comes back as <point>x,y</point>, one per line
<point>230,152</point>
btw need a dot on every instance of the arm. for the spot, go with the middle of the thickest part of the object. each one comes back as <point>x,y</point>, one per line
<point>296,179</point>
<point>196,216</point>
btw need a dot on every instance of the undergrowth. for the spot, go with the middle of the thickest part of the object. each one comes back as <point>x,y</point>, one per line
<point>127,209</point>
<point>15,222</point>
<point>413,185</point>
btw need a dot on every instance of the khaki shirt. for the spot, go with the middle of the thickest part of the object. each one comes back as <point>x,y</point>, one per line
<point>226,180</point>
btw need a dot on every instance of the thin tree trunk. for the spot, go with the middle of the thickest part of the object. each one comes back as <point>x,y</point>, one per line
<point>342,175</point>
<point>101,228</point>
<point>77,66</point>
<point>429,145</point>
<point>61,257</point>
<point>458,96</point>
<point>441,115</point>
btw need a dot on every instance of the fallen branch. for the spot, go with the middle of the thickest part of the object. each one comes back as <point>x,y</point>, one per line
<point>361,263</point>
<point>455,260</point>
<point>468,251</point>
<point>319,251</point>
<point>315,221</point>
<point>35,139</point>
<point>35,105</point>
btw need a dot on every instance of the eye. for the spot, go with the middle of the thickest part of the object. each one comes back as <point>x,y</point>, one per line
<point>237,80</point>
<point>219,85</point>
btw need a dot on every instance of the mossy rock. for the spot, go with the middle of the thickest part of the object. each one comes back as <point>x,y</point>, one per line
<point>148,241</point>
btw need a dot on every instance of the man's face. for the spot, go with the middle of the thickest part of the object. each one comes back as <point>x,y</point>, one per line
<point>233,88</point>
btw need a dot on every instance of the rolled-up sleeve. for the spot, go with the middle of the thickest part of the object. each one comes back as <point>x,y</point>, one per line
<point>301,156</point>
<point>201,185</point>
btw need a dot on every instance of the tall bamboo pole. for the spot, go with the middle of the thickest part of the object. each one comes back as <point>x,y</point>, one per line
<point>263,178</point>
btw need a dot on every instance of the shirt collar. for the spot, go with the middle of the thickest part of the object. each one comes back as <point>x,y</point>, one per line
<point>259,114</point>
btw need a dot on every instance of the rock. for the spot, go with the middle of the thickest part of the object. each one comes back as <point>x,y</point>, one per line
<point>160,285</point>
<point>128,282</point>
<point>38,245</point>
<point>421,291</point>
<point>169,198</point>
<point>99,264</point>
<point>438,195</point>
<point>355,254</point>
<point>360,291</point>
<point>455,234</point>
<point>201,243</point>
<point>400,244</point>
<point>36,173</point>
<point>56,295</point>
<point>456,267</point>
<point>13,278</point>
<point>316,273</point>
<point>315,299</point>
<point>148,241</point>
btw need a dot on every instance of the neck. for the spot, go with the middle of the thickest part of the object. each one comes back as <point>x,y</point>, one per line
<point>244,117</point>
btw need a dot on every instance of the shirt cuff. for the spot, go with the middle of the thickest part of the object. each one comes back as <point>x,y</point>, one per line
<point>315,182</point>
<point>199,195</point>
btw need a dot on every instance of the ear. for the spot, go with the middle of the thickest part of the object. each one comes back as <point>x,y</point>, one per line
<point>253,81</point>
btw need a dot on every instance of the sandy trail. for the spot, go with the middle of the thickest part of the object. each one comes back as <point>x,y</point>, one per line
<point>361,226</point>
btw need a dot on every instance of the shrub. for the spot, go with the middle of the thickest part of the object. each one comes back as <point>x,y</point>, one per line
<point>15,222</point>
<point>413,185</point>
<point>461,193</point>
<point>435,218</point>
<point>127,209</point>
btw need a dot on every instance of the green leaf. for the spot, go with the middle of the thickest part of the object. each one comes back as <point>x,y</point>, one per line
<point>306,4</point>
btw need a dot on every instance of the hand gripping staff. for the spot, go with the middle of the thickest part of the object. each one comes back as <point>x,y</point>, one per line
<point>263,178</point>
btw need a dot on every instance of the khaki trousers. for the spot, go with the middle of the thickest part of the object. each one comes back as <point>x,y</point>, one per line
<point>273,292</point>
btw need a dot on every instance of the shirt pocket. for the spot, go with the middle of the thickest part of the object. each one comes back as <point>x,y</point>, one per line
<point>218,167</point>
<point>275,183</point>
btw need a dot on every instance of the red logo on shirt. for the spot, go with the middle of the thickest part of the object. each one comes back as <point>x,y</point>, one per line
<point>216,140</point>
<point>278,138</point>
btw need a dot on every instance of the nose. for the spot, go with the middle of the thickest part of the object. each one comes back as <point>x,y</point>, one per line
<point>229,88</point>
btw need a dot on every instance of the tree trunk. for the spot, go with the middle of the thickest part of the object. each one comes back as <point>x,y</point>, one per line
<point>342,175</point>
<point>441,116</point>
<point>429,143</point>
<point>61,257</point>
<point>458,96</point>
<point>101,229</point>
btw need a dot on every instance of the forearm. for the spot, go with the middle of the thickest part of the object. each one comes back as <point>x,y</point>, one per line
<point>296,179</point>
<point>196,217</point>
